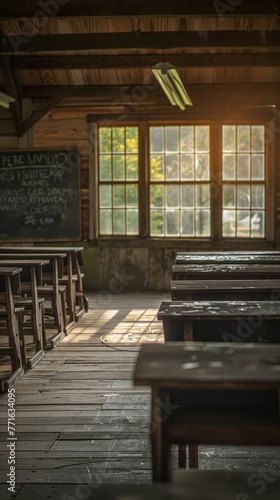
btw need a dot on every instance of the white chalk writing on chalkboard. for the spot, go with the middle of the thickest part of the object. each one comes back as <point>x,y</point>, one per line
<point>39,195</point>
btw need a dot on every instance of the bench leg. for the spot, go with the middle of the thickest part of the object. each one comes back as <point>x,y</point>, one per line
<point>193,456</point>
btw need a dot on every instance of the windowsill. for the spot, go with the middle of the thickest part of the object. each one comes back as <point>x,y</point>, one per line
<point>187,244</point>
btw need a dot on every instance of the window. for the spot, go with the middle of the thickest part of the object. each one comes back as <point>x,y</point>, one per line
<point>243,175</point>
<point>179,181</point>
<point>118,181</point>
<point>167,187</point>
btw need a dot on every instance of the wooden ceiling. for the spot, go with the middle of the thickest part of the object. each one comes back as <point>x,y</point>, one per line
<point>101,52</point>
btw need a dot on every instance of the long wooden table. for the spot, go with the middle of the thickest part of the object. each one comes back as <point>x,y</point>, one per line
<point>209,394</point>
<point>229,321</point>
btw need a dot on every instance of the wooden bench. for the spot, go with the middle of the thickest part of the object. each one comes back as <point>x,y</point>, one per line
<point>210,394</point>
<point>258,289</point>
<point>229,321</point>
<point>225,271</point>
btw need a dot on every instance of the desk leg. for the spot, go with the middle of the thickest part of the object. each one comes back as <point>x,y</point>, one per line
<point>188,331</point>
<point>156,428</point>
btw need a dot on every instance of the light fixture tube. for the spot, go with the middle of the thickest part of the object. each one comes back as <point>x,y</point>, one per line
<point>172,85</point>
<point>5,100</point>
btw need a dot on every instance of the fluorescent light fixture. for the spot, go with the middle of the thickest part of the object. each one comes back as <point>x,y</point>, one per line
<point>171,84</point>
<point>5,100</point>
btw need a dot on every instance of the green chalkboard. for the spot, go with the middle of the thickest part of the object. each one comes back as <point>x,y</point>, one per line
<point>39,195</point>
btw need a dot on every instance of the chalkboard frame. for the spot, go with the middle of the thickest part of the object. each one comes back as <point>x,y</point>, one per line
<point>74,153</point>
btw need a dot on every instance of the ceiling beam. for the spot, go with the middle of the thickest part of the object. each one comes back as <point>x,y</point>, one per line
<point>40,112</point>
<point>138,8</point>
<point>253,93</point>
<point>255,59</point>
<point>12,90</point>
<point>139,40</point>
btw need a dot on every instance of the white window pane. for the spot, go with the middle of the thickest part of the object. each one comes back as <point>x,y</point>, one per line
<point>229,220</point>
<point>229,168</point>
<point>258,167</point>
<point>157,167</point>
<point>132,221</point>
<point>202,138</point>
<point>202,170</point>
<point>187,196</point>
<point>243,167</point>
<point>105,145</point>
<point>203,223</point>
<point>118,168</point>
<point>156,139</point>
<point>118,139</point>
<point>257,224</point>
<point>119,221</point>
<point>157,222</point>
<point>229,192</point>
<point>105,173</point>
<point>243,223</point>
<point>187,223</point>
<point>118,196</point>
<point>258,196</point>
<point>243,196</point>
<point>202,195</point>
<point>172,138</point>
<point>243,138</point>
<point>258,138</point>
<point>105,194</point>
<point>229,132</point>
<point>105,221</point>
<point>157,195</point>
<point>187,167</point>
<point>187,138</point>
<point>172,167</point>
<point>172,222</point>
<point>132,167</point>
<point>132,195</point>
<point>172,196</point>
<point>131,139</point>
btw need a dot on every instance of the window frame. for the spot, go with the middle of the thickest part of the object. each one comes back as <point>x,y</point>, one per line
<point>216,237</point>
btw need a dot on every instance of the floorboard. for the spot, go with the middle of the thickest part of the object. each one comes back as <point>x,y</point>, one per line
<point>80,420</point>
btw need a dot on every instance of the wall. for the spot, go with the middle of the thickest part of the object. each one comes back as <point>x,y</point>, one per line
<point>114,267</point>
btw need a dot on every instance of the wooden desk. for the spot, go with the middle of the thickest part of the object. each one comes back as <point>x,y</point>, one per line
<point>225,271</point>
<point>226,395</point>
<point>51,274</point>
<point>73,276</point>
<point>10,285</point>
<point>252,258</point>
<point>31,278</point>
<point>231,321</point>
<point>225,289</point>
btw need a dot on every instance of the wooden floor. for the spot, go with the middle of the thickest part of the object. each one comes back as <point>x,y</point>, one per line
<point>79,419</point>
